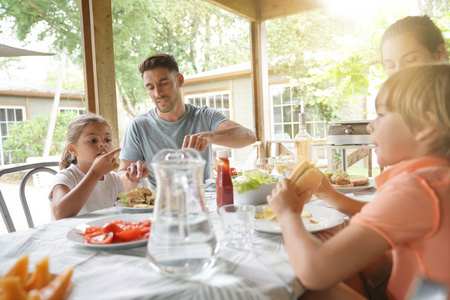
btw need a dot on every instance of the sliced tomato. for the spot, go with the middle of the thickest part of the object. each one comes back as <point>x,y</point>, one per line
<point>93,229</point>
<point>233,172</point>
<point>102,238</point>
<point>129,234</point>
<point>146,223</point>
<point>111,227</point>
<point>144,230</point>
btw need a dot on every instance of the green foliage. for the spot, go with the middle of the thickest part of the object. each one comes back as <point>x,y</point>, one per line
<point>27,139</point>
<point>72,80</point>
<point>334,56</point>
<point>201,36</point>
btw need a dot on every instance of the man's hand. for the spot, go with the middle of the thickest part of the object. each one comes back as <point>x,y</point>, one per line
<point>137,171</point>
<point>198,141</point>
<point>105,163</point>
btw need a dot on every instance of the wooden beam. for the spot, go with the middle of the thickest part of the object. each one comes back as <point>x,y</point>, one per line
<point>274,9</point>
<point>243,8</point>
<point>260,82</point>
<point>40,95</point>
<point>102,53</point>
<point>88,60</point>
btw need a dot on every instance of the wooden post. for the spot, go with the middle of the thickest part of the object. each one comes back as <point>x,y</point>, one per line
<point>98,55</point>
<point>260,82</point>
<point>89,82</point>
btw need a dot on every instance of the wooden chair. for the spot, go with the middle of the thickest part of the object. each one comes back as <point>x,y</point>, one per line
<point>32,168</point>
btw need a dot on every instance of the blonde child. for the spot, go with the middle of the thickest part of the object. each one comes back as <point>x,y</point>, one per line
<point>86,181</point>
<point>410,214</point>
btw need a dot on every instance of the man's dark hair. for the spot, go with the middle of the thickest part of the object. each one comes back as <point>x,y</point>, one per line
<point>421,27</point>
<point>159,60</point>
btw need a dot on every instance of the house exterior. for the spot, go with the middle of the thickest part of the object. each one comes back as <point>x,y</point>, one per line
<point>21,101</point>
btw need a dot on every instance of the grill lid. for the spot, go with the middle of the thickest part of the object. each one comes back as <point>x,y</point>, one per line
<point>348,132</point>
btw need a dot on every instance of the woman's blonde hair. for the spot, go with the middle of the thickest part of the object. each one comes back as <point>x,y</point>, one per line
<point>73,134</point>
<point>421,95</point>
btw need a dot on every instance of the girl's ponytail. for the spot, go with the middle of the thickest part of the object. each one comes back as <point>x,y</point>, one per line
<point>66,159</point>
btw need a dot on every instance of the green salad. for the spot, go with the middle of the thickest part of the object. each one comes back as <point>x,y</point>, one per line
<point>247,181</point>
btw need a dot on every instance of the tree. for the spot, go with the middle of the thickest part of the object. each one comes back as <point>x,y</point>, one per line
<point>201,36</point>
<point>27,139</point>
<point>333,56</point>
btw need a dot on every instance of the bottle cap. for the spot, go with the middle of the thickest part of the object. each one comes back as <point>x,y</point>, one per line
<point>223,153</point>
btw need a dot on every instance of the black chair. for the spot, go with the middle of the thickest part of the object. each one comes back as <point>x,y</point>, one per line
<point>32,169</point>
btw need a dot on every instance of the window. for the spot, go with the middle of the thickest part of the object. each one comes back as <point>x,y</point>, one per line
<point>78,110</point>
<point>286,105</point>
<point>216,100</point>
<point>9,116</point>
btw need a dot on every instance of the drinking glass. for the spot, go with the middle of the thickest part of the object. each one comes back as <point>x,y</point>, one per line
<point>265,164</point>
<point>237,223</point>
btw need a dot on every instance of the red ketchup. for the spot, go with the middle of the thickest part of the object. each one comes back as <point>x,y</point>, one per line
<point>224,185</point>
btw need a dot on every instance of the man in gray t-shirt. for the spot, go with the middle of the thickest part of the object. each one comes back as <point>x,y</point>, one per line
<point>173,124</point>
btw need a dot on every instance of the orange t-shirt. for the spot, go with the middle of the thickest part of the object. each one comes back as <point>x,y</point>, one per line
<point>412,212</point>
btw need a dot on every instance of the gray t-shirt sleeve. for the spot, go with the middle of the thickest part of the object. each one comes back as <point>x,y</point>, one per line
<point>131,149</point>
<point>213,117</point>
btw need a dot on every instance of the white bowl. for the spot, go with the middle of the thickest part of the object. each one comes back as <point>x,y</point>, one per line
<point>254,197</point>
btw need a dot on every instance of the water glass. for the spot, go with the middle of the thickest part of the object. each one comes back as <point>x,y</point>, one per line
<point>237,223</point>
<point>265,164</point>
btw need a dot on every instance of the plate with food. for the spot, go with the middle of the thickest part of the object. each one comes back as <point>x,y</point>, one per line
<point>345,183</point>
<point>113,232</point>
<point>315,218</point>
<point>136,200</point>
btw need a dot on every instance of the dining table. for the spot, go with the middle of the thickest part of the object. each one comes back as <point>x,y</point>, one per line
<point>262,271</point>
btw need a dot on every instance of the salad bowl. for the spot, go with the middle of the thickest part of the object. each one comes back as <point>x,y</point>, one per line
<point>254,197</point>
<point>252,187</point>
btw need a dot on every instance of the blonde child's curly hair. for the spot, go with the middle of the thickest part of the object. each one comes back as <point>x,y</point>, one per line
<point>421,95</point>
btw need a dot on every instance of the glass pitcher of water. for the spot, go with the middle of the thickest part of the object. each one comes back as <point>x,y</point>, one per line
<point>182,241</point>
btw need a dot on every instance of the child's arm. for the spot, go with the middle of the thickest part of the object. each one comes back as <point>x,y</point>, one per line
<point>339,201</point>
<point>68,203</point>
<point>321,265</point>
<point>131,172</point>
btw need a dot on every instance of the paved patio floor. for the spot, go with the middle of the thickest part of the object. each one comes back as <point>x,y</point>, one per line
<point>37,200</point>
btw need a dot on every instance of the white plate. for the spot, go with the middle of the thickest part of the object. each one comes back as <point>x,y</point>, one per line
<point>327,217</point>
<point>126,208</point>
<point>357,188</point>
<point>75,237</point>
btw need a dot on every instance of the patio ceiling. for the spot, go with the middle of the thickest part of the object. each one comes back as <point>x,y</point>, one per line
<point>262,10</point>
<point>98,52</point>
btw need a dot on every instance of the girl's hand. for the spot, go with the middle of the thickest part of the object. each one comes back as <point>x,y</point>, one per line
<point>285,199</point>
<point>137,171</point>
<point>325,189</point>
<point>105,163</point>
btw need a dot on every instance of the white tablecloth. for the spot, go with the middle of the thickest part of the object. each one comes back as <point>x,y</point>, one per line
<point>262,272</point>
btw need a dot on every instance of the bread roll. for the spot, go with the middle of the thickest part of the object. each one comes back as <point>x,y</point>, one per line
<point>305,176</point>
<point>358,179</point>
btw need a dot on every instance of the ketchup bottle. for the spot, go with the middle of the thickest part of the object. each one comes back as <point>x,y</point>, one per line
<point>224,185</point>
